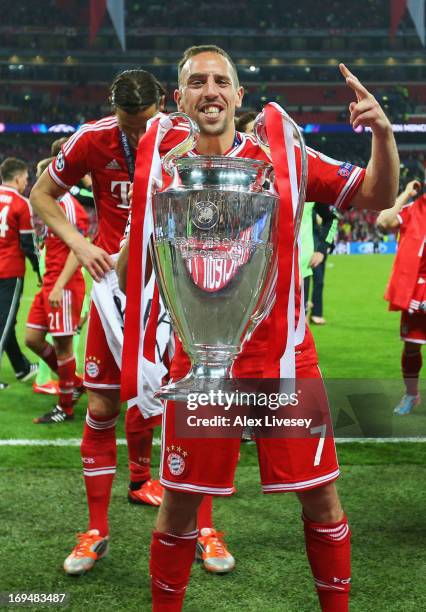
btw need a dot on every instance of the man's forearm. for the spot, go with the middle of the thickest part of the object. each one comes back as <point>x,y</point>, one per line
<point>380,186</point>
<point>70,267</point>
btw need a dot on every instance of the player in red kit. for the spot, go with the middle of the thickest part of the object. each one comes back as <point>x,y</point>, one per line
<point>406,290</point>
<point>106,150</point>
<point>56,309</point>
<point>209,92</point>
<point>16,243</point>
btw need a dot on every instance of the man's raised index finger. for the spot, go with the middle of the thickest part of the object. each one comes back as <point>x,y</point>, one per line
<point>345,71</point>
<point>353,82</point>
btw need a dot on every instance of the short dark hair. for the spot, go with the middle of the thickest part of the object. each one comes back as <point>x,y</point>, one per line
<point>11,167</point>
<point>197,49</point>
<point>56,145</point>
<point>42,164</point>
<point>243,121</point>
<point>135,90</point>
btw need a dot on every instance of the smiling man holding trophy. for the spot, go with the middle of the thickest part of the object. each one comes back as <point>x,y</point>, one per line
<point>221,211</point>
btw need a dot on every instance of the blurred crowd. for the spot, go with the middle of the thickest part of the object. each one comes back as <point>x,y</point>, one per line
<point>254,14</point>
<point>354,225</point>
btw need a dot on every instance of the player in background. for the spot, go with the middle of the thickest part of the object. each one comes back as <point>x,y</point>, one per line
<point>56,310</point>
<point>209,92</point>
<point>16,243</point>
<point>84,194</point>
<point>406,290</point>
<point>106,149</point>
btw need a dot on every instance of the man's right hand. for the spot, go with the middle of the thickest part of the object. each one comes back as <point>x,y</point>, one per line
<point>96,261</point>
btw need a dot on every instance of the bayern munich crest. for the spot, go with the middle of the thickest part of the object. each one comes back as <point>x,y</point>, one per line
<point>176,464</point>
<point>92,367</point>
<point>205,215</point>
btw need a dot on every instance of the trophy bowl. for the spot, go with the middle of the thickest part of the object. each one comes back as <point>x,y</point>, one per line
<point>214,251</point>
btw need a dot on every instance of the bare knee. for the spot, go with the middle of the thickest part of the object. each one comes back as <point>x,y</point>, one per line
<point>104,403</point>
<point>322,505</point>
<point>178,512</point>
<point>34,341</point>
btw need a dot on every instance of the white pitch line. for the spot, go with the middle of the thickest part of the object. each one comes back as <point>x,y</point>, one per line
<point>379,440</point>
<point>157,442</point>
<point>59,442</point>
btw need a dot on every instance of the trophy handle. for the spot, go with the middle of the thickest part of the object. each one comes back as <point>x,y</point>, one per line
<point>259,131</point>
<point>183,147</point>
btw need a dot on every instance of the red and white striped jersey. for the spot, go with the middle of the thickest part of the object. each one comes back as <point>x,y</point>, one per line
<point>56,250</point>
<point>15,219</point>
<point>96,149</point>
<point>330,181</point>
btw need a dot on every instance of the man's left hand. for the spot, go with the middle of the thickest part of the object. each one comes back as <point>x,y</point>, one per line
<point>366,111</point>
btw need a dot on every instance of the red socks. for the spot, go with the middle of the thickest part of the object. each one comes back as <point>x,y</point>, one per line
<point>411,365</point>
<point>99,456</point>
<point>205,513</point>
<point>329,553</point>
<point>139,433</point>
<point>66,373</point>
<point>170,567</point>
<point>49,356</point>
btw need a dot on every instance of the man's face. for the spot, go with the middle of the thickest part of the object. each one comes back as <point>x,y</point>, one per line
<point>134,126</point>
<point>22,181</point>
<point>208,94</point>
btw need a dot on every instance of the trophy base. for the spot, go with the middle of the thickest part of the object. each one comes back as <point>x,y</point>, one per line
<point>200,379</point>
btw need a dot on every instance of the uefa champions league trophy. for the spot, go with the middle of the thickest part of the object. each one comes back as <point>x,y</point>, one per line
<point>215,254</point>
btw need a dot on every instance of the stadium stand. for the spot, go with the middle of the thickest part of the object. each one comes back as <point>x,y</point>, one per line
<point>53,74</point>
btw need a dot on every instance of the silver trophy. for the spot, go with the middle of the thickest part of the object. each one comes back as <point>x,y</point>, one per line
<point>214,249</point>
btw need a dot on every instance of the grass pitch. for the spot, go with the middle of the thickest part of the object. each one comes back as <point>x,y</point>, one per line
<point>42,501</point>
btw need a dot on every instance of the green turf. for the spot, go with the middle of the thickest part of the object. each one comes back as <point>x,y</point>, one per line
<point>264,532</point>
<point>361,337</point>
<point>43,504</point>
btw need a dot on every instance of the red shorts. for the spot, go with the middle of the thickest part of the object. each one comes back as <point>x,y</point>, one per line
<point>60,321</point>
<point>101,370</point>
<point>413,327</point>
<point>208,465</point>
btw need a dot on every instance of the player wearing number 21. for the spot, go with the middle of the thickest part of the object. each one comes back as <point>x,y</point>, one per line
<point>56,308</point>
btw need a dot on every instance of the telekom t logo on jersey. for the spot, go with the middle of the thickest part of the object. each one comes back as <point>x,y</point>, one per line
<point>120,189</point>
